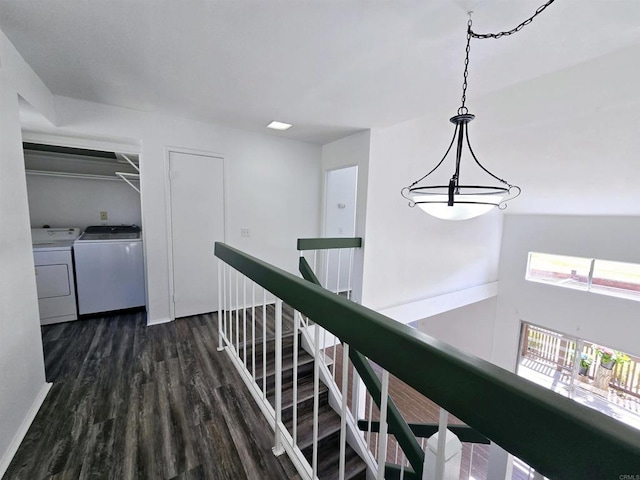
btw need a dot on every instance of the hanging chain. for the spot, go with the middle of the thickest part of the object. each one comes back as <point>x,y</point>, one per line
<point>540,9</point>
<point>471,34</point>
<point>462,110</point>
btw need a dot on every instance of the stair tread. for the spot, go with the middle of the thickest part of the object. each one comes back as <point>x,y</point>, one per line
<point>287,341</point>
<point>329,463</point>
<point>328,419</point>
<point>304,359</point>
<point>305,391</point>
<point>328,424</point>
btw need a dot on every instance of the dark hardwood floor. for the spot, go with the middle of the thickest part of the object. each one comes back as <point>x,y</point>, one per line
<point>135,402</point>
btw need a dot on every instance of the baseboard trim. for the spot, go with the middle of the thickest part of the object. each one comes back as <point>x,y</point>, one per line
<point>158,321</point>
<point>24,428</point>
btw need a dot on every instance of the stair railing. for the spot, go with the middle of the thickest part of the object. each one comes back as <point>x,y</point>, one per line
<point>365,384</point>
<point>333,258</point>
<point>332,261</point>
<point>556,436</point>
<point>333,273</point>
<point>251,330</point>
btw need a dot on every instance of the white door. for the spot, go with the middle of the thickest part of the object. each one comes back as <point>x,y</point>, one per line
<point>340,221</point>
<point>197,221</point>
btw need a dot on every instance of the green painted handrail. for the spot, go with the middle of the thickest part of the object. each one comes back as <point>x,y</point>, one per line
<point>424,430</point>
<point>328,243</point>
<point>307,272</point>
<point>558,437</point>
<point>397,425</point>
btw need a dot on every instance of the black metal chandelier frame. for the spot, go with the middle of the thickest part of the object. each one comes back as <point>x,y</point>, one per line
<point>454,192</point>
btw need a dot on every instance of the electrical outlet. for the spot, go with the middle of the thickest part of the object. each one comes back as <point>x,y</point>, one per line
<point>103,216</point>
<point>244,232</point>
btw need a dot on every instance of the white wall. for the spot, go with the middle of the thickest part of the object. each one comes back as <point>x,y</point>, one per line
<point>468,328</point>
<point>410,255</point>
<point>22,378</point>
<point>353,151</point>
<point>611,321</point>
<point>273,185</point>
<point>273,188</point>
<point>76,202</point>
<point>569,139</point>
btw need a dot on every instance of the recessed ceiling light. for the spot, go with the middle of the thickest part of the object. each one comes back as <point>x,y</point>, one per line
<point>279,125</point>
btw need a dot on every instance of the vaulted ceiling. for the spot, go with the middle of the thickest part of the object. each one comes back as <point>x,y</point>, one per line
<point>328,67</point>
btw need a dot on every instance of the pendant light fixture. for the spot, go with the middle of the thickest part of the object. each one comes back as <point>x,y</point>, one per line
<point>458,200</point>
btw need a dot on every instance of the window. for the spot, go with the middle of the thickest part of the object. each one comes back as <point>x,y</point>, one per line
<point>571,272</point>
<point>617,279</point>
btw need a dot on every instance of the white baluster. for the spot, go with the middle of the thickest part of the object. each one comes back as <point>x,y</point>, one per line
<point>442,440</point>
<point>253,330</point>
<point>382,447</point>
<point>230,339</point>
<point>220,310</point>
<point>369,422</point>
<point>335,339</point>
<point>315,261</point>
<point>338,276</point>
<point>316,389</point>
<point>343,420</point>
<point>296,316</point>
<point>350,270</point>
<point>264,343</point>
<point>237,316</point>
<point>244,320</point>
<point>278,449</point>
<point>327,254</point>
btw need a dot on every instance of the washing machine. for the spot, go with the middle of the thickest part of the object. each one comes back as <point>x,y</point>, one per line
<point>55,280</point>
<point>109,263</point>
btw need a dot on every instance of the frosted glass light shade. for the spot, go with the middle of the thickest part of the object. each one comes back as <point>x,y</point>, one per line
<point>436,205</point>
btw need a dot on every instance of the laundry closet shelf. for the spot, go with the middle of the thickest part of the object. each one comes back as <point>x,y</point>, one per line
<point>85,176</point>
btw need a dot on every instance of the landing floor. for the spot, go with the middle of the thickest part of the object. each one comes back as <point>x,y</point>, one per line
<point>135,402</point>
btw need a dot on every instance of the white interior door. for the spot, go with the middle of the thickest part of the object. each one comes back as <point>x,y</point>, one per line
<point>339,221</point>
<point>197,221</point>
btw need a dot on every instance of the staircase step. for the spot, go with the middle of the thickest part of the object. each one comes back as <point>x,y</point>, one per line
<point>305,389</point>
<point>304,407</point>
<point>305,364</point>
<point>328,419</point>
<point>287,343</point>
<point>328,424</point>
<point>329,463</point>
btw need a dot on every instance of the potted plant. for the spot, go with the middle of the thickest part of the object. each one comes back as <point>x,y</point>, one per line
<point>585,362</point>
<point>609,358</point>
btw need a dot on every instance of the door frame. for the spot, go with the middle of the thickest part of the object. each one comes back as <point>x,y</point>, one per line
<point>325,185</point>
<point>167,185</point>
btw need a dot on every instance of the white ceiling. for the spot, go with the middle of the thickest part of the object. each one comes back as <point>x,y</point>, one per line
<point>328,67</point>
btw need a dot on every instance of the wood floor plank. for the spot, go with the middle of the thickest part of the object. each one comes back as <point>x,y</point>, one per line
<point>135,402</point>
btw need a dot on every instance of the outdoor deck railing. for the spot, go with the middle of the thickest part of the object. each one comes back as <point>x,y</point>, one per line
<point>557,437</point>
<point>555,348</point>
